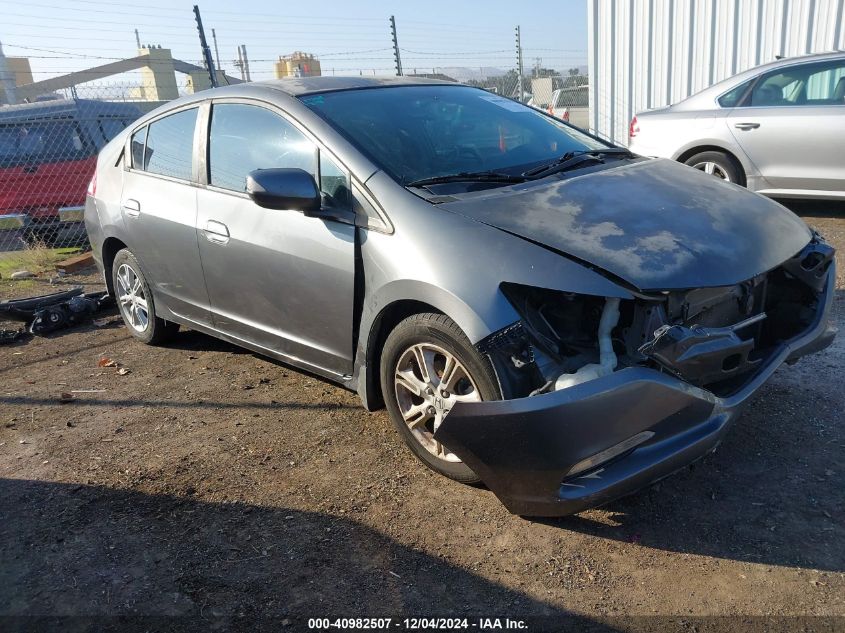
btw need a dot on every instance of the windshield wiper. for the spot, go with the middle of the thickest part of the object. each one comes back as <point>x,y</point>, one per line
<point>469,176</point>
<point>573,159</point>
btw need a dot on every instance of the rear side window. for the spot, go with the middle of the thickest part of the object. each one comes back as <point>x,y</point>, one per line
<point>41,142</point>
<point>170,145</point>
<point>573,98</point>
<point>247,137</point>
<point>821,83</point>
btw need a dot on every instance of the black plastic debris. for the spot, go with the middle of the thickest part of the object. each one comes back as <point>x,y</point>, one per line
<point>702,355</point>
<point>47,313</point>
<point>7,337</point>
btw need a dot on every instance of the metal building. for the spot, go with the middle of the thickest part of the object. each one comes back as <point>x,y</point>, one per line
<point>650,53</point>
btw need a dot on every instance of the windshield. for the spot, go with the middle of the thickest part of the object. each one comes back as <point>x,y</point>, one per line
<point>420,132</point>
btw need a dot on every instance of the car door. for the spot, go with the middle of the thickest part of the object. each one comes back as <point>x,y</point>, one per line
<point>791,125</point>
<point>279,280</point>
<point>159,209</point>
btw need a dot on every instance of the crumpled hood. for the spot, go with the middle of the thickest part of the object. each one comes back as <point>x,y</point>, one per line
<point>656,224</point>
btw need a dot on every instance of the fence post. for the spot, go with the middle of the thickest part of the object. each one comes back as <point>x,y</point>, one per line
<point>519,65</point>
<point>396,55</point>
<point>206,52</point>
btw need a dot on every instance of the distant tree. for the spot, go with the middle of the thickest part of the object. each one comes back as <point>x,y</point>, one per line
<point>573,71</point>
<point>506,85</point>
<point>537,72</point>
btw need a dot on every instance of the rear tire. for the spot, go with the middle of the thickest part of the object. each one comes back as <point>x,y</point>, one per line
<point>136,302</point>
<point>454,368</point>
<point>718,164</point>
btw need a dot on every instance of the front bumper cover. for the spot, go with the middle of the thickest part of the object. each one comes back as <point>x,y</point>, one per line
<point>523,448</point>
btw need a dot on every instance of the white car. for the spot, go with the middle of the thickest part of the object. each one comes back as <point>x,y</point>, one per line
<point>778,129</point>
<point>568,104</point>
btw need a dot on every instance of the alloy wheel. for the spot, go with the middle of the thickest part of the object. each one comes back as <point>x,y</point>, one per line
<point>429,381</point>
<point>132,299</point>
<point>714,169</point>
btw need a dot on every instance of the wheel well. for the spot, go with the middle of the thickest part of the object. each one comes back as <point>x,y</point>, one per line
<point>110,249</point>
<point>383,325</point>
<point>682,158</point>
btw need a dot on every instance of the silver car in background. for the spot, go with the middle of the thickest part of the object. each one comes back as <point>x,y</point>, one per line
<point>778,129</point>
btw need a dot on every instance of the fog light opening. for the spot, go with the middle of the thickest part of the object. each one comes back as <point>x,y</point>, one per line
<point>609,453</point>
<point>731,362</point>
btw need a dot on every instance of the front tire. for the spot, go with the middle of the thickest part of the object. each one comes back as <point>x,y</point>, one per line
<point>136,302</point>
<point>427,366</point>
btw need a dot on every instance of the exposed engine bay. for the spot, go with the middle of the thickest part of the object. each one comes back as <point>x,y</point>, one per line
<point>708,337</point>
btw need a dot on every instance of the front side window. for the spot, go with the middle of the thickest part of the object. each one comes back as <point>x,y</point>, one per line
<point>416,132</point>
<point>247,137</point>
<point>170,145</point>
<point>816,84</point>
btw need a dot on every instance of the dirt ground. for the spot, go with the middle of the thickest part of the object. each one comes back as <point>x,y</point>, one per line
<point>210,483</point>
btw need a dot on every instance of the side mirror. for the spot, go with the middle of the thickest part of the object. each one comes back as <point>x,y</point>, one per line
<point>292,189</point>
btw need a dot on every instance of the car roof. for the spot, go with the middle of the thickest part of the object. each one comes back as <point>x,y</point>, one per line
<point>61,108</point>
<point>298,86</point>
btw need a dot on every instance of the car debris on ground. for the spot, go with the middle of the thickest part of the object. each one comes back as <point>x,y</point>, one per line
<point>45,314</point>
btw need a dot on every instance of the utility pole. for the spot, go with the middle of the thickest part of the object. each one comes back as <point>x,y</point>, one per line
<point>216,52</point>
<point>519,65</point>
<point>246,62</point>
<point>206,52</point>
<point>239,63</point>
<point>396,56</point>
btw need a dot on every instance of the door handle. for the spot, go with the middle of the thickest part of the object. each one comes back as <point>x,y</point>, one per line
<point>216,232</point>
<point>747,126</point>
<point>131,207</point>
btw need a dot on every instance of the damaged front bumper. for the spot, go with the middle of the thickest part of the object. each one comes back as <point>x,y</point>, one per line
<point>523,448</point>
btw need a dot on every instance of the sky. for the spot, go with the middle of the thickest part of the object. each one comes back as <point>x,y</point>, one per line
<point>349,37</point>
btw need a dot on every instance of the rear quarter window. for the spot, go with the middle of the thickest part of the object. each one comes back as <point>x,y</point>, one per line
<point>110,128</point>
<point>733,97</point>
<point>139,140</point>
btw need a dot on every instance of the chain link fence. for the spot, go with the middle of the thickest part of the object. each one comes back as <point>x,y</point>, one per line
<point>48,153</point>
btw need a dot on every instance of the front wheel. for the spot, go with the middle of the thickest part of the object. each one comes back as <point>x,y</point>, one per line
<point>428,365</point>
<point>136,303</point>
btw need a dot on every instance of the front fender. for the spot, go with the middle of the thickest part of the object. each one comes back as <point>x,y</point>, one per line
<point>456,266</point>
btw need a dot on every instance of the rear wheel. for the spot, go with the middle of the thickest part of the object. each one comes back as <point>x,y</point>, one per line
<point>428,365</point>
<point>717,164</point>
<point>136,303</point>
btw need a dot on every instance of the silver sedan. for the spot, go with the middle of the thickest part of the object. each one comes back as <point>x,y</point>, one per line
<point>778,129</point>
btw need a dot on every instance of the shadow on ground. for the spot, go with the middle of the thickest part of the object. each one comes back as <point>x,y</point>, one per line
<point>817,208</point>
<point>771,494</point>
<point>81,550</point>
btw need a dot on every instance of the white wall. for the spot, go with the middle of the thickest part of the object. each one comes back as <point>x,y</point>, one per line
<point>650,53</point>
